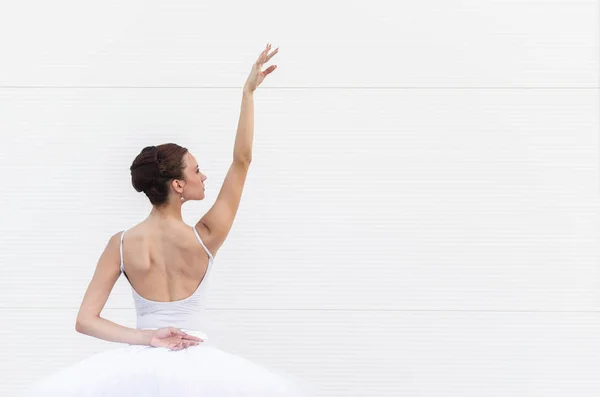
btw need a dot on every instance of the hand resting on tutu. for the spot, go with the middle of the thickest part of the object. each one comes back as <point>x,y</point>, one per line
<point>173,338</point>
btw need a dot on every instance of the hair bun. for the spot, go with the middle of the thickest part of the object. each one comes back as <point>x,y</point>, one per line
<point>145,170</point>
<point>150,149</point>
<point>156,157</point>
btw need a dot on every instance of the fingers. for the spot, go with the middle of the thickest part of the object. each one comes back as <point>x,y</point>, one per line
<point>185,335</point>
<point>272,54</point>
<point>179,339</point>
<point>189,343</point>
<point>183,344</point>
<point>192,338</point>
<point>176,346</point>
<point>269,69</point>
<point>264,57</point>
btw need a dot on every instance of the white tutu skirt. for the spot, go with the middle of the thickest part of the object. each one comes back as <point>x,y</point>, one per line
<point>197,371</point>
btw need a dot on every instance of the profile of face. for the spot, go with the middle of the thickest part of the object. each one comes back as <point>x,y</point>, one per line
<point>192,188</point>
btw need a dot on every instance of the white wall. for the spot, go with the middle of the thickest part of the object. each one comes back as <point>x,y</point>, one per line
<point>421,216</point>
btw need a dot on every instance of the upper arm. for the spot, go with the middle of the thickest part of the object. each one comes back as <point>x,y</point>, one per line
<point>105,276</point>
<point>219,219</point>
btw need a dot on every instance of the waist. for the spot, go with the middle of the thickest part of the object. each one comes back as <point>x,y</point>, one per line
<point>194,321</point>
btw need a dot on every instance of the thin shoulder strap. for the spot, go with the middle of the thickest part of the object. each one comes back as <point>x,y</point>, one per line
<point>201,242</point>
<point>121,251</point>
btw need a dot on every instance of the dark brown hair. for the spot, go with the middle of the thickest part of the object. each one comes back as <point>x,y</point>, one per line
<point>154,168</point>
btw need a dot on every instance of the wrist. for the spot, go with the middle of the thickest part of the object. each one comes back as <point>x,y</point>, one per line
<point>247,92</point>
<point>146,336</point>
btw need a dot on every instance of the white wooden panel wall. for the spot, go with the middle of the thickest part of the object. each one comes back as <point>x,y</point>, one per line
<point>421,216</point>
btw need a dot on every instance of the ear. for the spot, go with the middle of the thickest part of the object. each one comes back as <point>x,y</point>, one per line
<point>177,185</point>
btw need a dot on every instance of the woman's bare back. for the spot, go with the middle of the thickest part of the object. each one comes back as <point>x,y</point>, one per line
<point>165,263</point>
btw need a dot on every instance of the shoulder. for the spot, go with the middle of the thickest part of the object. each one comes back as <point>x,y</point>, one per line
<point>116,236</point>
<point>112,251</point>
<point>113,246</point>
<point>114,240</point>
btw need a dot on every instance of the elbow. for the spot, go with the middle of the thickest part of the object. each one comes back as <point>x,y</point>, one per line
<point>245,160</point>
<point>81,325</point>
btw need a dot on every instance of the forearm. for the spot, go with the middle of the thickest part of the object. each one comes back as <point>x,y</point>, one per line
<point>242,150</point>
<point>102,328</point>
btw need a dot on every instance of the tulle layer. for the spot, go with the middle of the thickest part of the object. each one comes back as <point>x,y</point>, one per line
<point>198,371</point>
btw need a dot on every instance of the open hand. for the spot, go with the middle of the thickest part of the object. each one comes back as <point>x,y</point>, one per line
<point>256,74</point>
<point>173,338</point>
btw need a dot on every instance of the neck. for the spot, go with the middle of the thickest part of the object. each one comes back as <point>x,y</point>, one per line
<point>168,212</point>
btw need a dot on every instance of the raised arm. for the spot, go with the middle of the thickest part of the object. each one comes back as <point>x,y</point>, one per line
<point>217,222</point>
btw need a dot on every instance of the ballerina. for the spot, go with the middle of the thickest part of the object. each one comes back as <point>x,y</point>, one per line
<point>167,264</point>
